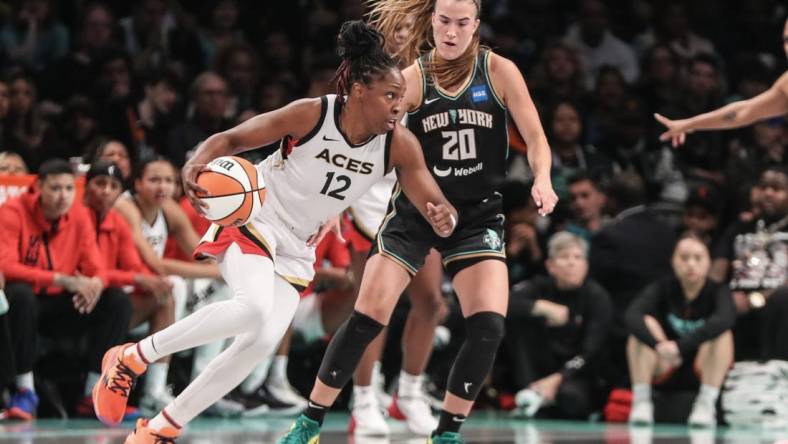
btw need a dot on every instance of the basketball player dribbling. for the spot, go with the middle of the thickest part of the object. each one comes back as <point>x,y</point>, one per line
<point>458,98</point>
<point>334,148</point>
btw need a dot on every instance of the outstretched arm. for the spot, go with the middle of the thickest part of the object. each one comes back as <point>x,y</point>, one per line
<point>418,184</point>
<point>295,119</point>
<point>771,103</point>
<point>509,84</point>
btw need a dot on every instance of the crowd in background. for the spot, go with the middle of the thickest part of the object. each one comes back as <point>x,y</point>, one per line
<point>129,81</point>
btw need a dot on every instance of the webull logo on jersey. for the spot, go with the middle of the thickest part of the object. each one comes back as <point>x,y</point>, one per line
<point>345,162</point>
<point>461,116</point>
<point>457,171</point>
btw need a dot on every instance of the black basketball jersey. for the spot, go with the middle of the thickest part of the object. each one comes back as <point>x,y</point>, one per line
<point>464,137</point>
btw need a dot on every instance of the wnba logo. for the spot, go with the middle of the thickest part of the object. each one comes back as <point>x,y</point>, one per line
<point>223,163</point>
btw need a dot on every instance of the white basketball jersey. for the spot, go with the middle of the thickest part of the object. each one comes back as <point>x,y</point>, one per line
<point>156,234</point>
<point>323,173</point>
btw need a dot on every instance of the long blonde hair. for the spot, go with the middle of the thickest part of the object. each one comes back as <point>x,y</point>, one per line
<point>386,15</point>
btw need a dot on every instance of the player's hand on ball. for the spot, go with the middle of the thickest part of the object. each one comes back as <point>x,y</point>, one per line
<point>190,186</point>
<point>442,218</point>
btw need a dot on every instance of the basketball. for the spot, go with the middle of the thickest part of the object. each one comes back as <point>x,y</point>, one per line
<point>236,190</point>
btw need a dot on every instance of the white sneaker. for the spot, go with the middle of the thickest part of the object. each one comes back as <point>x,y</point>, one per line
<point>284,391</point>
<point>152,403</point>
<point>379,385</point>
<point>704,414</point>
<point>642,413</point>
<point>416,412</point>
<point>366,417</point>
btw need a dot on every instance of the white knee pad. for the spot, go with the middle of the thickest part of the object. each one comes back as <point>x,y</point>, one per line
<point>307,320</point>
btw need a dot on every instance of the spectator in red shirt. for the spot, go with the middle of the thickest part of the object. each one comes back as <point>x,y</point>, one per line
<point>151,295</point>
<point>56,284</point>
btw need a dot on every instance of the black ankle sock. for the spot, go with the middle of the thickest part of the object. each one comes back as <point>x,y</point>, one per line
<point>449,422</point>
<point>315,412</point>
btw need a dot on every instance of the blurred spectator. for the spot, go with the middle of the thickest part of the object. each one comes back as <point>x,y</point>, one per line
<point>557,328</point>
<point>702,157</point>
<point>753,150</point>
<point>115,82</point>
<point>76,73</point>
<point>565,131</point>
<point>660,82</point>
<point>597,45</point>
<point>221,29</point>
<point>321,77</point>
<point>673,26</point>
<point>26,131</point>
<point>56,280</point>
<point>207,116</point>
<point>155,39</point>
<point>630,252</point>
<point>610,93</point>
<point>278,51</point>
<point>34,38</point>
<point>5,106</point>
<point>240,66</point>
<point>680,328</point>
<point>702,214</point>
<point>79,129</point>
<point>12,164</point>
<point>116,152</point>
<point>753,257</point>
<point>587,203</point>
<point>523,246</point>
<point>144,124</point>
<point>558,76</point>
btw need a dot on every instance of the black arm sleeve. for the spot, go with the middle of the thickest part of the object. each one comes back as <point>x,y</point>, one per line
<point>646,303</point>
<point>522,298</point>
<point>722,318</point>
<point>596,333</point>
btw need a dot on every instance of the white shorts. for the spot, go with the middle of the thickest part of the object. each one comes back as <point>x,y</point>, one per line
<point>267,235</point>
<point>369,210</point>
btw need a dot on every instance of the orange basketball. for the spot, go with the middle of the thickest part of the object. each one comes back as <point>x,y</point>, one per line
<point>236,190</point>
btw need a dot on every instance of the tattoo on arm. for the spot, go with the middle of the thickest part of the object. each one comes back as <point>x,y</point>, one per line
<point>729,116</point>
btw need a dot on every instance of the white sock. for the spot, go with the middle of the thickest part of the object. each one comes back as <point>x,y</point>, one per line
<point>156,378</point>
<point>160,421</point>
<point>709,393</point>
<point>256,378</point>
<point>25,382</point>
<point>90,382</point>
<point>408,384</point>
<point>641,393</point>
<point>363,392</point>
<point>278,371</point>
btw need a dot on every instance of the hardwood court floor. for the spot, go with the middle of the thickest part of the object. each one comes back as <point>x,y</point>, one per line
<point>482,428</point>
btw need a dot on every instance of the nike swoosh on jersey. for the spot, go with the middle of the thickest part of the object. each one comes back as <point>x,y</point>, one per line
<point>428,101</point>
<point>441,173</point>
<point>329,140</point>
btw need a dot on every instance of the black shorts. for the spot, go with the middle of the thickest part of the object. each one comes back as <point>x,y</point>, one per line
<point>406,238</point>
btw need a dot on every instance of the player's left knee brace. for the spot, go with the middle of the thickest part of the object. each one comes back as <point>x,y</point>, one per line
<point>485,331</point>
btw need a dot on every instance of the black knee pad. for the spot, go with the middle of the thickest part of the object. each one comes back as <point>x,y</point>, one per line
<point>346,348</point>
<point>485,331</point>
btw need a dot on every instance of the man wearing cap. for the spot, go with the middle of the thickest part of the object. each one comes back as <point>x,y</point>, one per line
<point>56,282</point>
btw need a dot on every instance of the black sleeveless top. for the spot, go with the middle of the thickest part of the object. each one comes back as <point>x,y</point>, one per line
<point>464,137</point>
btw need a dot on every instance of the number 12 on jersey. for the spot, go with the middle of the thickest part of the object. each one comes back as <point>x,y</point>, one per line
<point>342,183</point>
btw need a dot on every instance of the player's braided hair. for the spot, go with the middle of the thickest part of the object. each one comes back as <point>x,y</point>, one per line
<point>363,57</point>
<point>386,15</point>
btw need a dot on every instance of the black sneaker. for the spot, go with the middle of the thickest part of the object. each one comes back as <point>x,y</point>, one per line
<point>263,403</point>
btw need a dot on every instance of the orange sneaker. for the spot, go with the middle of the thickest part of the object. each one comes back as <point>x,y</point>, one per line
<point>111,392</point>
<point>142,434</point>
